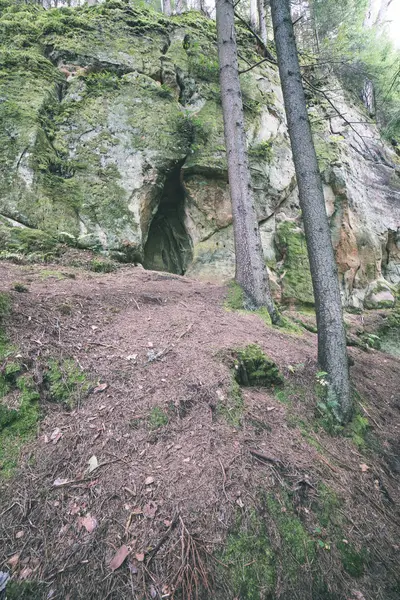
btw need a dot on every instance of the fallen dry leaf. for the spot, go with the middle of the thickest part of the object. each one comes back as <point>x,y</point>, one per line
<point>149,480</point>
<point>137,510</point>
<point>93,463</point>
<point>13,561</point>
<point>100,388</point>
<point>19,534</point>
<point>153,591</point>
<point>56,435</point>
<point>364,468</point>
<point>59,481</point>
<point>139,556</point>
<point>150,509</point>
<point>25,573</point>
<point>88,522</point>
<point>119,557</point>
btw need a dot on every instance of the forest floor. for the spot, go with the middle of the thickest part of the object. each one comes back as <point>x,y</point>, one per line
<point>151,474</point>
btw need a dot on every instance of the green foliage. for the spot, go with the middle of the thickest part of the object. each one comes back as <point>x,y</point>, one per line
<point>359,53</point>
<point>66,382</point>
<point>157,418</point>
<point>253,368</point>
<point>102,266</point>
<point>231,407</point>
<point>101,82</point>
<point>262,151</point>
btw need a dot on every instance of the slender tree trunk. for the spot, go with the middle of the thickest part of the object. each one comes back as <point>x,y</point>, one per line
<point>381,18</point>
<point>179,7</point>
<point>262,19</point>
<point>332,351</point>
<point>253,14</point>
<point>167,7</point>
<point>251,272</point>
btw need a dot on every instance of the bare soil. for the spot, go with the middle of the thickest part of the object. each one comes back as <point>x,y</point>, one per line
<point>157,341</point>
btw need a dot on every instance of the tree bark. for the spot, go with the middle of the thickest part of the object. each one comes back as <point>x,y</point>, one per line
<point>381,18</point>
<point>332,351</point>
<point>251,271</point>
<point>167,7</point>
<point>253,14</point>
<point>262,19</point>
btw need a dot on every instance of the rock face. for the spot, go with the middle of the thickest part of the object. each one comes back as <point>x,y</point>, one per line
<point>112,137</point>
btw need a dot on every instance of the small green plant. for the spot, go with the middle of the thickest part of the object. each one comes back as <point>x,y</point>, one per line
<point>164,91</point>
<point>157,418</point>
<point>101,82</point>
<point>20,287</point>
<point>67,383</point>
<point>262,151</point>
<point>327,407</point>
<point>102,266</point>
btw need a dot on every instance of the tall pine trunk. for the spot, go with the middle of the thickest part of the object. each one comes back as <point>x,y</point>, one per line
<point>332,351</point>
<point>253,14</point>
<point>262,19</point>
<point>251,272</point>
<point>167,7</point>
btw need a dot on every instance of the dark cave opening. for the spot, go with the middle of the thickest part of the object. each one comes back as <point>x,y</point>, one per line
<point>168,246</point>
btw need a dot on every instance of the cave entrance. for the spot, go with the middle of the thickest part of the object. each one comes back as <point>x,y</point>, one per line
<point>168,246</point>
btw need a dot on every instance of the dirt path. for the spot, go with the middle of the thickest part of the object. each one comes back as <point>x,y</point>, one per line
<point>152,344</point>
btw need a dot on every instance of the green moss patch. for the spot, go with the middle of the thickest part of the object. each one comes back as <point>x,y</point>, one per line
<point>19,407</point>
<point>231,407</point>
<point>67,384</point>
<point>157,418</point>
<point>250,559</point>
<point>296,277</point>
<point>253,368</point>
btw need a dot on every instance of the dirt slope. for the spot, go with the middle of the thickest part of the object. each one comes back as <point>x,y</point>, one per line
<point>235,497</point>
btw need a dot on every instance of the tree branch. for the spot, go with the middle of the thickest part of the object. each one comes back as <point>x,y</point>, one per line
<point>268,55</point>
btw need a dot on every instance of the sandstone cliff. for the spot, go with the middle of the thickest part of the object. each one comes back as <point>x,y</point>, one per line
<point>112,138</point>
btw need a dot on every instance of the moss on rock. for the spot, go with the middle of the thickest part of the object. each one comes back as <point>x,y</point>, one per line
<point>253,368</point>
<point>295,271</point>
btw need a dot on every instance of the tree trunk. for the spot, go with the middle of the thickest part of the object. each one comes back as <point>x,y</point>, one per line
<point>262,19</point>
<point>179,7</point>
<point>381,18</point>
<point>368,97</point>
<point>251,272</point>
<point>332,351</point>
<point>253,14</point>
<point>167,7</point>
